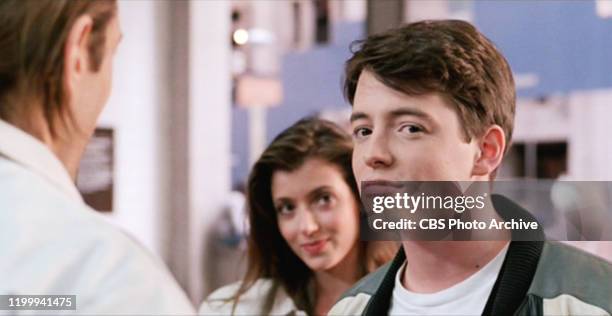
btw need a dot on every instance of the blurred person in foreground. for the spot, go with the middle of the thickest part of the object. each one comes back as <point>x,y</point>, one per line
<point>303,245</point>
<point>55,76</point>
<point>435,101</point>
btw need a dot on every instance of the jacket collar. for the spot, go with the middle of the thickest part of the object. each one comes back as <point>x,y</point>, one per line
<point>30,153</point>
<point>381,300</point>
<point>521,262</point>
<point>512,283</point>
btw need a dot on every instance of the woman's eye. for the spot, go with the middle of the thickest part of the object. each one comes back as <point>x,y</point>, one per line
<point>361,132</point>
<point>411,129</point>
<point>324,200</point>
<point>285,209</point>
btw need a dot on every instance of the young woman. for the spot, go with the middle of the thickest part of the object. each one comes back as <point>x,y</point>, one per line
<point>303,247</point>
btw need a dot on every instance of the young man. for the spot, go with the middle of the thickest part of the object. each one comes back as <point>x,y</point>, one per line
<point>435,100</point>
<point>55,77</point>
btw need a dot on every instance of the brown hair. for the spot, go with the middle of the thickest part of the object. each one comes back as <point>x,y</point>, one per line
<point>449,57</point>
<point>33,34</point>
<point>269,255</point>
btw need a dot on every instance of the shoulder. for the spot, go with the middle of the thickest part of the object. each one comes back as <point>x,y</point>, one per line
<point>85,253</point>
<point>565,271</point>
<point>30,203</point>
<point>37,214</point>
<point>27,198</point>
<point>220,301</point>
<point>259,289</point>
<point>355,300</point>
<point>370,283</point>
<point>18,185</point>
<point>252,301</point>
<point>562,260</point>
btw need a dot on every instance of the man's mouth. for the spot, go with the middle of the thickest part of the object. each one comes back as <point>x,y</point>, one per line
<point>380,187</point>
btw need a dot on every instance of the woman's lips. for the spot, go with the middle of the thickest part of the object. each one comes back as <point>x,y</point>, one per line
<point>315,247</point>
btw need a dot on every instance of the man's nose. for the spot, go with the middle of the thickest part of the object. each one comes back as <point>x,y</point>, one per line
<point>378,154</point>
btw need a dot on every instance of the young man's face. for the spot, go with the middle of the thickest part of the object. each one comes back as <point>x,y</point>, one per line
<point>398,137</point>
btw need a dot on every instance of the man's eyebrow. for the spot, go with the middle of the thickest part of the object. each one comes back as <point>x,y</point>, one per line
<point>395,113</point>
<point>358,116</point>
<point>409,111</point>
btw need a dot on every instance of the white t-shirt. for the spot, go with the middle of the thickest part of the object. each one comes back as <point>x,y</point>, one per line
<point>468,297</point>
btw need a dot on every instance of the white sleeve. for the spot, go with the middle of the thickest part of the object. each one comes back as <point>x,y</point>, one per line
<point>219,303</point>
<point>131,281</point>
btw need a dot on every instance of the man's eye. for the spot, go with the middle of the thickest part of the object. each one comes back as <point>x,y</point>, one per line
<point>411,129</point>
<point>361,132</point>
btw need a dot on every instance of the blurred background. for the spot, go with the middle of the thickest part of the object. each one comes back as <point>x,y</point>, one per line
<point>201,87</point>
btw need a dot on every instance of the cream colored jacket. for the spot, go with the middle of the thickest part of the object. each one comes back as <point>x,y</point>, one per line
<point>52,243</point>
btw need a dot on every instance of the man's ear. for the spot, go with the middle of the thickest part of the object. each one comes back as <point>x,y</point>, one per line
<point>491,151</point>
<point>76,53</point>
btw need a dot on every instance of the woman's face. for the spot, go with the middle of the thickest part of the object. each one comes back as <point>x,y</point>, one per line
<point>318,215</point>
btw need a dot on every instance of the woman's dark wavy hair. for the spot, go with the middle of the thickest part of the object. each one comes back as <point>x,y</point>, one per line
<point>269,256</point>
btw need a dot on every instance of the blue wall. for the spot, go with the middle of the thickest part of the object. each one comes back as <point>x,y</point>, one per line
<point>564,42</point>
<point>312,81</point>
